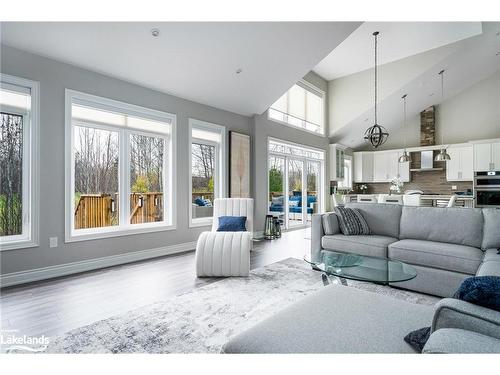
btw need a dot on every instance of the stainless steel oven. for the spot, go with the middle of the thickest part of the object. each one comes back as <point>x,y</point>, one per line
<point>487,189</point>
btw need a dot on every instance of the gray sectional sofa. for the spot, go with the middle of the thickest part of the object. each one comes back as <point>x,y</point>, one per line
<point>446,245</point>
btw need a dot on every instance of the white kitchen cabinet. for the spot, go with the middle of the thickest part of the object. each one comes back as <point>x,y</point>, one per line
<point>404,169</point>
<point>380,166</point>
<point>337,157</point>
<point>487,156</point>
<point>460,167</point>
<point>363,167</point>
<point>386,167</point>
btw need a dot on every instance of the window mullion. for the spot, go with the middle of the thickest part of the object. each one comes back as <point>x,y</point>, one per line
<point>124,179</point>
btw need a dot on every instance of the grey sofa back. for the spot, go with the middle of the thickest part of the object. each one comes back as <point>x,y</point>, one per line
<point>491,233</point>
<point>451,225</point>
<point>383,219</point>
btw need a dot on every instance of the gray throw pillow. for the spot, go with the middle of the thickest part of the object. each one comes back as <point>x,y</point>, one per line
<point>330,224</point>
<point>351,221</point>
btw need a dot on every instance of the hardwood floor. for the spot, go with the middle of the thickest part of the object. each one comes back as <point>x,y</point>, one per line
<point>55,306</point>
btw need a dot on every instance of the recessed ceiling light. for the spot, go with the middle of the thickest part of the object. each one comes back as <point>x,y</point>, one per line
<point>498,33</point>
<point>498,53</point>
<point>155,32</point>
<point>366,119</point>
<point>239,70</point>
<point>431,94</point>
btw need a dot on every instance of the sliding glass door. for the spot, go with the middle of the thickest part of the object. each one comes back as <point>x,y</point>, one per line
<point>295,175</point>
<point>295,192</point>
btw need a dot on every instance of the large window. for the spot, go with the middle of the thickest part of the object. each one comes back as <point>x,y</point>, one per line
<point>207,165</point>
<point>302,106</point>
<point>120,168</point>
<point>295,182</point>
<point>18,163</point>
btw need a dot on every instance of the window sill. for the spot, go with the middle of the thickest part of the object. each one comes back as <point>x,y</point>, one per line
<point>88,235</point>
<point>296,127</point>
<point>21,244</point>
<point>196,223</point>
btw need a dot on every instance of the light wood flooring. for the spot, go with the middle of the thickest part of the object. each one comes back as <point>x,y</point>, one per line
<point>55,306</point>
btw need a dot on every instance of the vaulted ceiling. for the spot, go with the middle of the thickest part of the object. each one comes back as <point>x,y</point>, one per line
<point>197,61</point>
<point>466,60</point>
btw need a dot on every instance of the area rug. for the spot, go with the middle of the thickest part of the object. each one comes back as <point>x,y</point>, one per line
<point>202,320</point>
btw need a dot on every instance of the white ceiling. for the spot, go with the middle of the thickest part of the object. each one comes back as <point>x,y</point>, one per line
<point>396,40</point>
<point>196,61</point>
<point>466,62</point>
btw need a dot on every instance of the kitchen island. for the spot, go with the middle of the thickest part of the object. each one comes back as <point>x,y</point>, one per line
<point>434,200</point>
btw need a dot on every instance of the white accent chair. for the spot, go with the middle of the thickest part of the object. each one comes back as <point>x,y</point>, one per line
<point>226,253</point>
<point>390,199</point>
<point>367,198</point>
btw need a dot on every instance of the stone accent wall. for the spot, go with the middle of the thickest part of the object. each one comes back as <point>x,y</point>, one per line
<point>428,127</point>
<point>430,182</point>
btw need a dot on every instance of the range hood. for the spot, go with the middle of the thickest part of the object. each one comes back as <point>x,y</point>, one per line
<point>426,162</point>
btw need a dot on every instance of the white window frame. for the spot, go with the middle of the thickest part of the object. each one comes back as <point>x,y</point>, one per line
<point>304,159</point>
<point>309,87</point>
<point>169,168</point>
<point>220,173</point>
<point>31,172</point>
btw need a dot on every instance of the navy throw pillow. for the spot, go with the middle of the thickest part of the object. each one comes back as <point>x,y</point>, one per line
<point>481,290</point>
<point>199,202</point>
<point>232,224</point>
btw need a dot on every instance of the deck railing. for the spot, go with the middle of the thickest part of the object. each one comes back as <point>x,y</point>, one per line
<point>101,210</point>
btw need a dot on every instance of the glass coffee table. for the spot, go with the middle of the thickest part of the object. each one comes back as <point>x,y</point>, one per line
<point>347,266</point>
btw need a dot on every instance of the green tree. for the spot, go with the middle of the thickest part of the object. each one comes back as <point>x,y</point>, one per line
<point>275,180</point>
<point>140,185</point>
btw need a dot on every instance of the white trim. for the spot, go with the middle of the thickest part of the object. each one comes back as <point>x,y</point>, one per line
<point>320,184</point>
<point>31,172</point>
<point>220,172</point>
<point>169,167</point>
<point>44,273</point>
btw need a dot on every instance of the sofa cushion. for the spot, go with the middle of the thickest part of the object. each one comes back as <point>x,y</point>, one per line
<point>383,219</point>
<point>336,319</point>
<point>441,255</point>
<point>491,235</point>
<point>372,245</point>
<point>454,340</point>
<point>490,268</point>
<point>451,225</point>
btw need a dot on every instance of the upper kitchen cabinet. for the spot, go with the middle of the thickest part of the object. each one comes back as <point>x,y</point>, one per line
<point>386,166</point>
<point>363,167</point>
<point>487,156</point>
<point>337,157</point>
<point>460,166</point>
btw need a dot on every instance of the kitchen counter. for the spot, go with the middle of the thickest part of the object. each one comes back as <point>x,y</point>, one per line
<point>431,199</point>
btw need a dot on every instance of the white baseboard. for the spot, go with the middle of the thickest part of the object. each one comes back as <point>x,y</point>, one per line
<point>37,274</point>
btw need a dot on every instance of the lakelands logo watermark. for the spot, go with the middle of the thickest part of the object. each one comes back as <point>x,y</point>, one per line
<point>11,341</point>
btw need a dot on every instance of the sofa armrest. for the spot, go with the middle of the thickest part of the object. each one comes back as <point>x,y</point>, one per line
<point>453,341</point>
<point>454,313</point>
<point>317,233</point>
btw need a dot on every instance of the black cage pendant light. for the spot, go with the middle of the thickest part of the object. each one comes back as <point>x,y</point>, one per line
<point>443,155</point>
<point>376,135</point>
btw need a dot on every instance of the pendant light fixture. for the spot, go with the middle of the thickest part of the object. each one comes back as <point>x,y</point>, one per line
<point>443,155</point>
<point>376,135</point>
<point>405,158</point>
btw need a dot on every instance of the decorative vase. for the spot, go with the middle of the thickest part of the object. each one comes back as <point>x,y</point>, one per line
<point>269,228</point>
<point>276,227</point>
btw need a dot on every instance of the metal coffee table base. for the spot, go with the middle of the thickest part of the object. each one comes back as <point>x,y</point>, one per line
<point>327,281</point>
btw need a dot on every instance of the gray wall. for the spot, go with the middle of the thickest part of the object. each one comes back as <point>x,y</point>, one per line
<point>470,115</point>
<point>54,77</point>
<point>264,128</point>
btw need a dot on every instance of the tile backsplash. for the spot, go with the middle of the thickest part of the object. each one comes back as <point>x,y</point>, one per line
<point>430,182</point>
